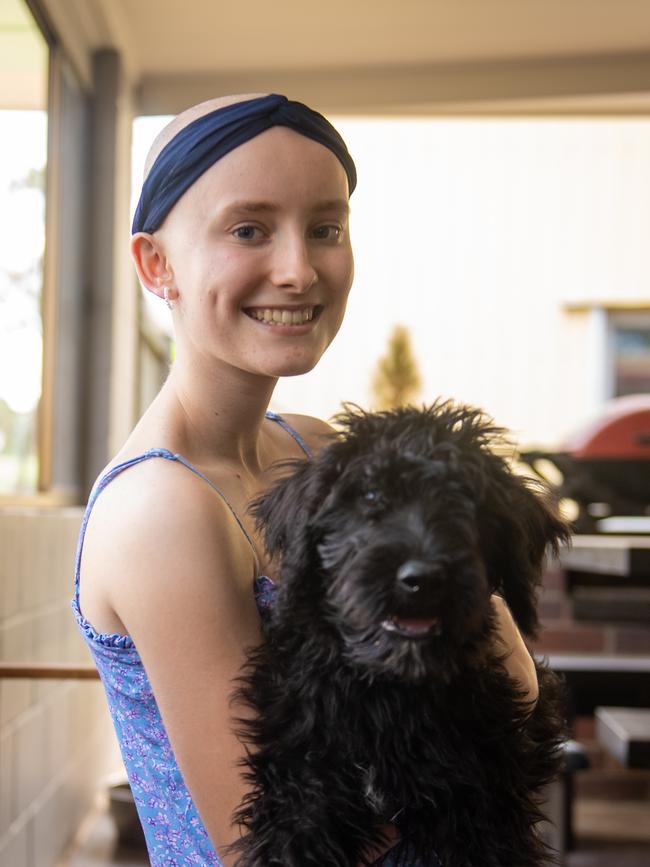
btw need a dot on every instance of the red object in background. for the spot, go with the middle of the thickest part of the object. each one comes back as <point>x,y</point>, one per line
<point>622,432</point>
<point>605,467</point>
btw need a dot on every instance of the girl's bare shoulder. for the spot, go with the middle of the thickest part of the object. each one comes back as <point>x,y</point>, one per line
<point>159,530</point>
<point>155,491</point>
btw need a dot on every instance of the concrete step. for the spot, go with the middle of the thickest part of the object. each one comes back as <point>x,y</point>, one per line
<point>606,778</point>
<point>612,821</point>
<point>611,785</point>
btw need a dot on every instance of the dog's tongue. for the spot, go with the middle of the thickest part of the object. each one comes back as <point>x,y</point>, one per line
<point>415,624</point>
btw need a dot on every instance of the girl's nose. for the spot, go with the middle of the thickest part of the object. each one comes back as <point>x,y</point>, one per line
<point>292,266</point>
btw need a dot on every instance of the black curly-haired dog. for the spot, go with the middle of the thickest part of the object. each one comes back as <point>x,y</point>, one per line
<point>379,693</point>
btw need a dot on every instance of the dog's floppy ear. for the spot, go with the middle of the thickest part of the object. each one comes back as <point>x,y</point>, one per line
<point>283,513</point>
<point>520,527</point>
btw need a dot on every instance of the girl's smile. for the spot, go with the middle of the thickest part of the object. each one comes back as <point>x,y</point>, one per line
<point>286,320</point>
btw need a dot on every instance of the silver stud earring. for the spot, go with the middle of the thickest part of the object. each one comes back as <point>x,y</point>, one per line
<point>169,303</point>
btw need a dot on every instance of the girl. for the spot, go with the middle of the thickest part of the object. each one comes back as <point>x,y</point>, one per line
<point>242,227</point>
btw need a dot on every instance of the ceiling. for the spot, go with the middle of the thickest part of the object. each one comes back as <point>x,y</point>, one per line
<point>171,37</point>
<point>339,45</point>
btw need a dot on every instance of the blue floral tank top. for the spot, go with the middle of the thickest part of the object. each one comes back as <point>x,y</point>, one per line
<point>174,831</point>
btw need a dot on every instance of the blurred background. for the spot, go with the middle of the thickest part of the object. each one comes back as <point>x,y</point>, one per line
<point>500,228</point>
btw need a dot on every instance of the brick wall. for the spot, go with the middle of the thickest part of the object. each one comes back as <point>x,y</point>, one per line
<point>560,633</point>
<point>56,737</point>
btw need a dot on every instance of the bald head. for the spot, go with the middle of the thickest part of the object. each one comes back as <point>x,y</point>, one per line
<point>185,117</point>
<point>203,134</point>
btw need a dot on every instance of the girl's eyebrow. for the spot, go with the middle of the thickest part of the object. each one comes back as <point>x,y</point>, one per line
<point>251,206</point>
<point>334,205</point>
<point>270,207</point>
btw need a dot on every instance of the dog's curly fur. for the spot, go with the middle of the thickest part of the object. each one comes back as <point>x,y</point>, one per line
<point>380,693</point>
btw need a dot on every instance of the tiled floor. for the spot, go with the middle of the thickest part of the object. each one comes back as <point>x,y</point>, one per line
<point>609,835</point>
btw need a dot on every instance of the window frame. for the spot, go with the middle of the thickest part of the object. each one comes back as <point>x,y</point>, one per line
<point>45,495</point>
<point>603,318</point>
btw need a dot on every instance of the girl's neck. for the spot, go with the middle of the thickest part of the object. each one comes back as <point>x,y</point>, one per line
<point>204,415</point>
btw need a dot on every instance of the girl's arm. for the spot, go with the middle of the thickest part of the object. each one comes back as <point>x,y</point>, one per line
<point>178,572</point>
<point>518,662</point>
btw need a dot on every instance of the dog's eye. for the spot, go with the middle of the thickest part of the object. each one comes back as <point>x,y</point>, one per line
<point>372,499</point>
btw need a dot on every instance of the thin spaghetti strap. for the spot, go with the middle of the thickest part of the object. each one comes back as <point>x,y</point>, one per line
<point>273,416</point>
<point>189,466</point>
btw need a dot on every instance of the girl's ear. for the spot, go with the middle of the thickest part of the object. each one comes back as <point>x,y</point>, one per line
<point>151,264</point>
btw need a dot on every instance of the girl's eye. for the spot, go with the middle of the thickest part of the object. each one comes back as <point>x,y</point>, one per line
<point>247,233</point>
<point>327,233</point>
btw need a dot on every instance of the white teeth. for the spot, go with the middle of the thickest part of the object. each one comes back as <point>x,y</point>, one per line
<point>283,317</point>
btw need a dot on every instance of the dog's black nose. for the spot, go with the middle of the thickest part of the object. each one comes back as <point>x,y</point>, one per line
<point>412,574</point>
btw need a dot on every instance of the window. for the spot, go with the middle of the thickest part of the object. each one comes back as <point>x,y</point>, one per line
<point>630,340</point>
<point>23,132</point>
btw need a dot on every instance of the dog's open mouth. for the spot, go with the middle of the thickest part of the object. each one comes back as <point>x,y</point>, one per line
<point>412,627</point>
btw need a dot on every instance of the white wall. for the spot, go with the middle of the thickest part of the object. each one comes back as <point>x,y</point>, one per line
<point>475,234</point>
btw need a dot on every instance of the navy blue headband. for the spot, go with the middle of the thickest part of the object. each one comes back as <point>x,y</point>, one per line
<point>201,143</point>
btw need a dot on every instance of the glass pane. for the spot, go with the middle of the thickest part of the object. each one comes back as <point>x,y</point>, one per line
<point>632,347</point>
<point>23,133</point>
